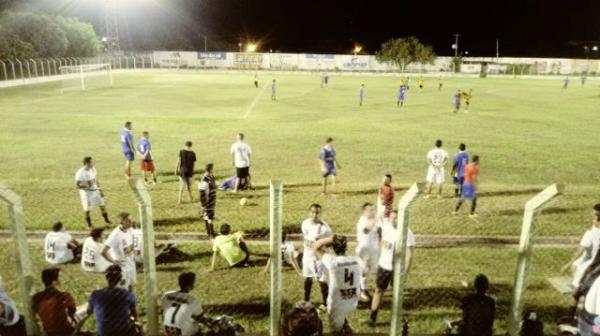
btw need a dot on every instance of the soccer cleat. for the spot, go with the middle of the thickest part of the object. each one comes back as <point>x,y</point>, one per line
<point>365,296</point>
<point>473,216</point>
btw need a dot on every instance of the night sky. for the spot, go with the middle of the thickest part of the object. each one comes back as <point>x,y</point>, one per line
<point>525,28</point>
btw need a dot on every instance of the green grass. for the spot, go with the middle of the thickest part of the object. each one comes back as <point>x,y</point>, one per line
<point>528,133</point>
<point>433,289</point>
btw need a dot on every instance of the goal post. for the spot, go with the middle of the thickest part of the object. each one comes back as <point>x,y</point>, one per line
<point>532,208</point>
<point>23,261</point>
<point>142,197</point>
<point>84,76</point>
<point>404,205</point>
<point>275,219</point>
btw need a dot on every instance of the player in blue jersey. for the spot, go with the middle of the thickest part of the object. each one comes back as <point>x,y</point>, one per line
<point>461,159</point>
<point>361,94</point>
<point>456,101</point>
<point>329,164</point>
<point>144,148</point>
<point>127,147</point>
<point>401,95</point>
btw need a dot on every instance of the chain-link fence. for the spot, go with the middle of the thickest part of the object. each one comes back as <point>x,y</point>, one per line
<point>444,264</point>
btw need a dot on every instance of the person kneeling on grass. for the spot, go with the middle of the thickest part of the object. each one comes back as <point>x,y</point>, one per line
<point>478,311</point>
<point>231,247</point>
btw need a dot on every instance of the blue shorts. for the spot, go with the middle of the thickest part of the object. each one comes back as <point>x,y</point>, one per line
<point>468,192</point>
<point>329,171</point>
<point>128,156</point>
<point>458,180</point>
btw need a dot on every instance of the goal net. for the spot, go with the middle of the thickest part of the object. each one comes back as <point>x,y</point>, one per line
<point>86,76</point>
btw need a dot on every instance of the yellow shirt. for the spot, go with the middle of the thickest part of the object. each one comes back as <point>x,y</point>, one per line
<point>229,247</point>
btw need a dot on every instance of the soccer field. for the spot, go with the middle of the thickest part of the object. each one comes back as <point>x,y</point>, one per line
<point>528,133</point>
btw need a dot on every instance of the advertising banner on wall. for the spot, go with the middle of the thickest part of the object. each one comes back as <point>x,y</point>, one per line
<point>248,60</point>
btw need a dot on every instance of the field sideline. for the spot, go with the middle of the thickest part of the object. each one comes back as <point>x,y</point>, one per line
<point>528,133</point>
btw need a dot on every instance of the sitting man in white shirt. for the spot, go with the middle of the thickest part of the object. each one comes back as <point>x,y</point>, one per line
<point>60,247</point>
<point>138,245</point>
<point>91,258</point>
<point>181,310</point>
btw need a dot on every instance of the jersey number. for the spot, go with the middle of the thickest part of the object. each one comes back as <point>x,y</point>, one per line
<point>348,276</point>
<point>174,316</point>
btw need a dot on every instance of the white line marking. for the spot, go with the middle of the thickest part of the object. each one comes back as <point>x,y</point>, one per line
<point>251,107</point>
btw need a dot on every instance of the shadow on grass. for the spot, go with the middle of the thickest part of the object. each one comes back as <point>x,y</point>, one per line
<point>531,191</point>
<point>547,211</point>
<point>264,231</point>
<point>256,306</point>
<point>176,221</point>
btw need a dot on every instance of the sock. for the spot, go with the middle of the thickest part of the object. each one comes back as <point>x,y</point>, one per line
<point>374,315</point>
<point>324,292</point>
<point>473,206</point>
<point>458,205</point>
<point>105,216</point>
<point>456,191</point>
<point>363,283</point>
<point>209,228</point>
<point>88,220</point>
<point>307,289</point>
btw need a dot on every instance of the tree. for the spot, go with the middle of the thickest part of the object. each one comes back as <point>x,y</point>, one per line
<point>401,52</point>
<point>11,46</point>
<point>81,37</point>
<point>44,35</point>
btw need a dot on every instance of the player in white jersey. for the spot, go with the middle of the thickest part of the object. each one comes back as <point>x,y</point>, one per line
<point>385,269</point>
<point>181,310</point>
<point>60,247</point>
<point>313,229</point>
<point>89,190</point>
<point>588,248</point>
<point>91,258</point>
<point>343,273</point>
<point>437,159</point>
<point>119,250</point>
<point>289,255</point>
<point>368,232</point>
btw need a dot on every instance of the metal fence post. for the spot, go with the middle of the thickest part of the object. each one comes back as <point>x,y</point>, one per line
<point>144,202</point>
<point>4,70</point>
<point>276,218</point>
<point>34,67</point>
<point>532,208</point>
<point>23,267</point>
<point>404,205</point>
<point>42,66</point>
<point>12,65</point>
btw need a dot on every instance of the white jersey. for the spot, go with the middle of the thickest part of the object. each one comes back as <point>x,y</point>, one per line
<point>87,178</point>
<point>57,249</point>
<point>90,193</point>
<point>590,243</point>
<point>437,158</point>
<point>241,153</point>
<point>388,245</point>
<point>370,238</point>
<point>313,232</point>
<point>138,245</point>
<point>179,310</point>
<point>344,273</point>
<point>91,257</point>
<point>121,248</point>
<point>288,251</point>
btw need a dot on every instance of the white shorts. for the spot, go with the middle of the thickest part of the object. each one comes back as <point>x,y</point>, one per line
<point>370,257</point>
<point>580,268</point>
<point>313,268</point>
<point>435,176</point>
<point>90,199</point>
<point>129,276</point>
<point>337,312</point>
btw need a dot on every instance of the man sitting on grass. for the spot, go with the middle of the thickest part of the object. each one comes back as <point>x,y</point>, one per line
<point>181,310</point>
<point>231,247</point>
<point>60,247</point>
<point>55,309</point>
<point>478,311</point>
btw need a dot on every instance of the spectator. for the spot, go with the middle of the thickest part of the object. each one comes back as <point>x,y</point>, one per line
<point>185,170</point>
<point>91,258</point>
<point>182,311</point>
<point>385,203</point>
<point>60,247</point>
<point>55,309</point>
<point>208,199</point>
<point>301,320</point>
<point>228,184</point>
<point>11,323</point>
<point>589,314</point>
<point>478,310</point>
<point>114,307</point>
<point>240,157</point>
<point>231,247</point>
<point>588,249</point>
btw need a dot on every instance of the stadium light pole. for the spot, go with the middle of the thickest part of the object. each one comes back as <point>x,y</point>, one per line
<point>455,45</point>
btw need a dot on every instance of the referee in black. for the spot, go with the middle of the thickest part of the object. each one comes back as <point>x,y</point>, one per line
<point>208,199</point>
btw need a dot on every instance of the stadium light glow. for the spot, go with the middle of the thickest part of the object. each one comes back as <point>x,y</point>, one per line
<point>357,49</point>
<point>251,47</point>
<point>595,48</point>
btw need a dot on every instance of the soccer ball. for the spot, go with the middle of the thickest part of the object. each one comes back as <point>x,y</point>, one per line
<point>243,201</point>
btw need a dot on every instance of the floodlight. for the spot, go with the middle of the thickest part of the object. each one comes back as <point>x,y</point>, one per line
<point>251,47</point>
<point>595,48</point>
<point>357,49</point>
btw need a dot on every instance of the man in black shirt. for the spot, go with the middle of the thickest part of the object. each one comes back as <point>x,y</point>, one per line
<point>185,169</point>
<point>208,198</point>
<point>478,309</point>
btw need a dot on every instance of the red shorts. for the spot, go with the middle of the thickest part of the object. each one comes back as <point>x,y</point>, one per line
<point>148,166</point>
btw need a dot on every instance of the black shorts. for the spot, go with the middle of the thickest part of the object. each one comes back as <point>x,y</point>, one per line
<point>384,278</point>
<point>242,172</point>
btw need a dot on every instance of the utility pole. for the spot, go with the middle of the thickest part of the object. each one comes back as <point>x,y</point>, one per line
<point>456,44</point>
<point>205,44</point>
<point>497,48</point>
